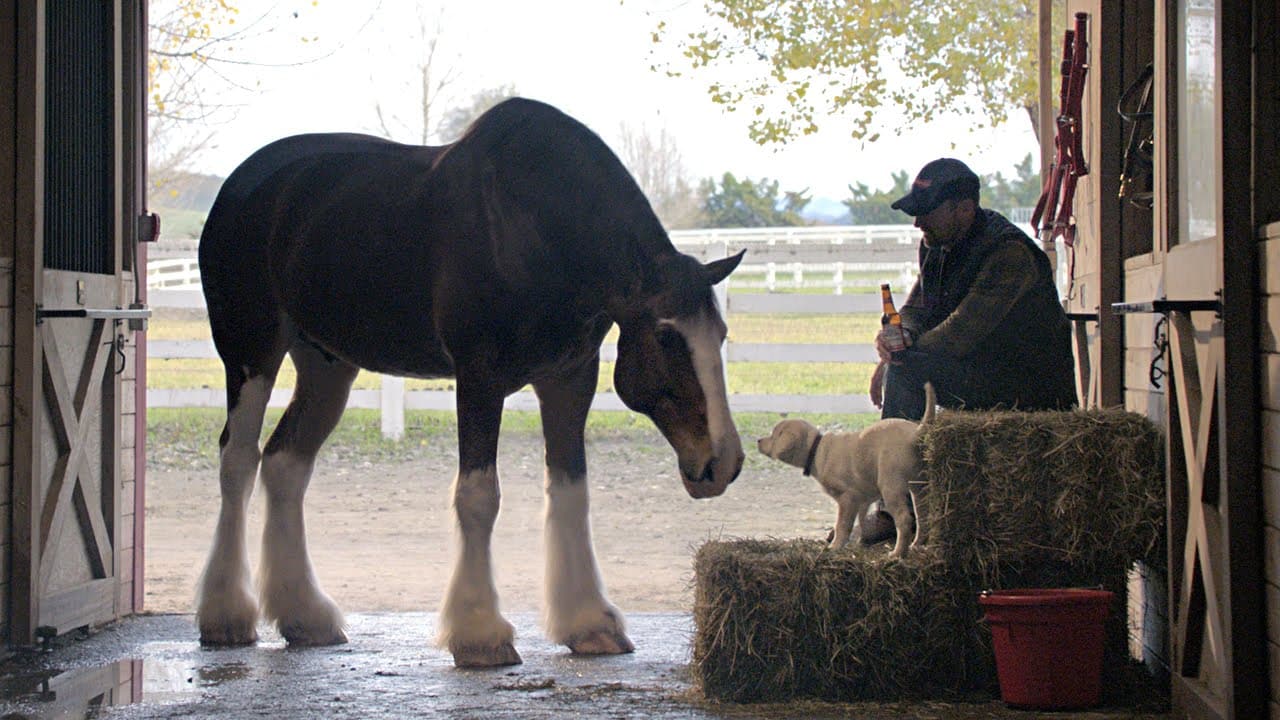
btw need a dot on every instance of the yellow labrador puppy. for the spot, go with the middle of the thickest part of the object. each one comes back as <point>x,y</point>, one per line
<point>857,468</point>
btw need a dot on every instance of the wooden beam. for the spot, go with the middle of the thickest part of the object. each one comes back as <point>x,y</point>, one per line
<point>1112,36</point>
<point>1266,113</point>
<point>1047,49</point>
<point>8,121</point>
<point>135,28</point>
<point>27,373</point>
<point>1240,218</point>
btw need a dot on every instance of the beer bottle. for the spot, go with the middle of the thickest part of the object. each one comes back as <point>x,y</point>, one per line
<point>891,322</point>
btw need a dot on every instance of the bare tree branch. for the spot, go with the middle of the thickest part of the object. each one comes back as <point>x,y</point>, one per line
<point>433,77</point>
<point>656,164</point>
<point>192,88</point>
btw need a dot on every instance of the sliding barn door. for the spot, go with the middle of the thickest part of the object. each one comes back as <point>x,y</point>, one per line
<point>70,347</point>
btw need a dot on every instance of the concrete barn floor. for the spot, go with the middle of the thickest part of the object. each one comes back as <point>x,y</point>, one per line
<point>152,666</point>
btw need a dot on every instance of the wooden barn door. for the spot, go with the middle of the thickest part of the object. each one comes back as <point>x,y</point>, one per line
<point>67,461</point>
<point>1219,662</point>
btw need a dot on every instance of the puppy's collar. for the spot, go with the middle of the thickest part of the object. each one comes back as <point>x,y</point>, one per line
<point>813,454</point>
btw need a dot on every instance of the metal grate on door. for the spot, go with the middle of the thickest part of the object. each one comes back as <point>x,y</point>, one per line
<point>78,211</point>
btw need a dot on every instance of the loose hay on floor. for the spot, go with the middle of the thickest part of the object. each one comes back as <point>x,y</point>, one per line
<point>1014,500</point>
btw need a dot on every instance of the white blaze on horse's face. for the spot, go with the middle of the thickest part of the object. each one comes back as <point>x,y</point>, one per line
<point>704,335</point>
<point>669,367</point>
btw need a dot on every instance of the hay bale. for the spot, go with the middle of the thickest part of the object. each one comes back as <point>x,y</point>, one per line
<point>1015,500</point>
<point>1084,489</point>
<point>782,619</point>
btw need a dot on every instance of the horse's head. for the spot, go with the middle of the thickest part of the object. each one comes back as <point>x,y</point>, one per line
<point>669,368</point>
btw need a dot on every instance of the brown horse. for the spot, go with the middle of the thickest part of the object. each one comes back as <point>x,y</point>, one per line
<point>501,260</point>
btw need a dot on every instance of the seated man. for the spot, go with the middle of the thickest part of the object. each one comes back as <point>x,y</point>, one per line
<point>982,322</point>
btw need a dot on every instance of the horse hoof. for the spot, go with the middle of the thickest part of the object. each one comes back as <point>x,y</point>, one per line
<point>601,642</point>
<point>227,615</point>
<point>486,657</point>
<point>228,634</point>
<point>300,636</point>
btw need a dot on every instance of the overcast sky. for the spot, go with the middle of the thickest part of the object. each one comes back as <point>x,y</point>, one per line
<point>590,58</point>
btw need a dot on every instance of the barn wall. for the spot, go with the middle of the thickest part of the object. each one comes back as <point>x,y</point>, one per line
<point>6,434</point>
<point>1143,280</point>
<point>1109,233</point>
<point>1115,260</point>
<point>8,210</point>
<point>125,536</point>
<point>132,187</point>
<point>1269,403</point>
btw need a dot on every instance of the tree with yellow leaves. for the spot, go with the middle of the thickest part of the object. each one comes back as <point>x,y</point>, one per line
<point>194,48</point>
<point>791,63</point>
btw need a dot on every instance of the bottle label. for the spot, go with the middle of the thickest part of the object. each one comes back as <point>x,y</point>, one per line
<point>894,339</point>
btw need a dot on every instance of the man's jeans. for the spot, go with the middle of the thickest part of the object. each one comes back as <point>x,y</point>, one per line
<point>961,383</point>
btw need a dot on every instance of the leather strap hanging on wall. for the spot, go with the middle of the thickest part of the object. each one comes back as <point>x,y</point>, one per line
<point>1137,167</point>
<point>1053,216</point>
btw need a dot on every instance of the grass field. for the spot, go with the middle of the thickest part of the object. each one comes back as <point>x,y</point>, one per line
<point>744,378</point>
<point>187,436</point>
<point>181,223</point>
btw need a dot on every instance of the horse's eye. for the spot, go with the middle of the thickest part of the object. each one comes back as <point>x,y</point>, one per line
<point>669,337</point>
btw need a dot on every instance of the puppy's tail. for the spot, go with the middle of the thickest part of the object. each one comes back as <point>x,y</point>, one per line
<point>930,400</point>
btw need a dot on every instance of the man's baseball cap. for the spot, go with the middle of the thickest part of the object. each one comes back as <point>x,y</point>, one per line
<point>942,179</point>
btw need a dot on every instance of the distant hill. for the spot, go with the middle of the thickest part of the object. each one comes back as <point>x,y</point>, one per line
<point>826,211</point>
<point>186,191</point>
<point>182,201</point>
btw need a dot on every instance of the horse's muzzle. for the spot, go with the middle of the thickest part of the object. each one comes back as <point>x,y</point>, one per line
<point>714,476</point>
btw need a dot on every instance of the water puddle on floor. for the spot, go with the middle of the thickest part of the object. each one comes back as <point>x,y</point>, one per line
<point>82,692</point>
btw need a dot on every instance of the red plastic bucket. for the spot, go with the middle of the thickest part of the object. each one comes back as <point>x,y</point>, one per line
<point>1048,645</point>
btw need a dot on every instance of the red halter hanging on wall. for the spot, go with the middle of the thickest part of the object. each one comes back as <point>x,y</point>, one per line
<point>1053,216</point>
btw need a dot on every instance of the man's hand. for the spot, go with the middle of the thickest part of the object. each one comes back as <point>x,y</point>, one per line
<point>891,339</point>
<point>877,384</point>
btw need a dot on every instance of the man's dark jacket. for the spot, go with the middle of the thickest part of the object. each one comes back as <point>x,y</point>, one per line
<point>990,299</point>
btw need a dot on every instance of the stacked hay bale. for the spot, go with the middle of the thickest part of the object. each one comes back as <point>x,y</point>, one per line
<point>1013,500</point>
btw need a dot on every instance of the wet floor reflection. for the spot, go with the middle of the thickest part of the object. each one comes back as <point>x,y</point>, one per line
<point>46,693</point>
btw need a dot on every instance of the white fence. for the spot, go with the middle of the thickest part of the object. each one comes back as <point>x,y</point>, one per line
<point>178,273</point>
<point>834,258</point>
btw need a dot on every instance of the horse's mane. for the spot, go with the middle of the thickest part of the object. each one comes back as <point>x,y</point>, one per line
<point>550,175</point>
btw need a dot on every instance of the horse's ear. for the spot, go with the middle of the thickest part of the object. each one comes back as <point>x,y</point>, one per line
<point>718,270</point>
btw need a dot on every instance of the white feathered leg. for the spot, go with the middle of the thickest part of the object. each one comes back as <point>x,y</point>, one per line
<point>471,626</point>
<point>226,610</point>
<point>577,612</point>
<point>291,596</point>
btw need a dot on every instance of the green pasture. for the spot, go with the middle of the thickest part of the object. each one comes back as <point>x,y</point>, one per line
<point>744,378</point>
<point>169,324</point>
<point>181,223</point>
<point>188,436</point>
